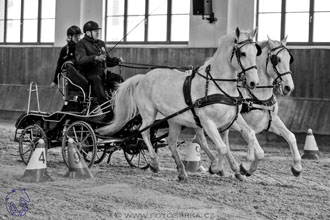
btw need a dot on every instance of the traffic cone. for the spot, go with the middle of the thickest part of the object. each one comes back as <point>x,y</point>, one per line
<point>310,149</point>
<point>192,160</point>
<point>36,170</point>
<point>77,165</point>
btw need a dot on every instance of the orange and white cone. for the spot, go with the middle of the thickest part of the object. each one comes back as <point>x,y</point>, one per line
<point>77,165</point>
<point>310,149</point>
<point>36,170</point>
<point>192,159</point>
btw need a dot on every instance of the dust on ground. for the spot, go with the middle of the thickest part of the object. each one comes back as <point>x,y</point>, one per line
<point>119,191</point>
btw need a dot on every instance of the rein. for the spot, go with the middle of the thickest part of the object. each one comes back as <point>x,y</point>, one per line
<point>151,67</point>
<point>224,98</point>
<point>255,103</point>
<point>218,98</point>
<point>279,75</point>
<point>237,52</point>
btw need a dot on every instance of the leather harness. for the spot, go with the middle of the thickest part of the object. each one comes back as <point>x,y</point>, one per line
<point>208,99</point>
<point>254,103</point>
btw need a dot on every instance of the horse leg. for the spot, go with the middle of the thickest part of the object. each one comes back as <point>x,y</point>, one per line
<point>212,131</point>
<point>154,164</point>
<point>255,153</point>
<point>232,162</point>
<point>203,143</point>
<point>279,128</point>
<point>148,117</point>
<point>174,133</point>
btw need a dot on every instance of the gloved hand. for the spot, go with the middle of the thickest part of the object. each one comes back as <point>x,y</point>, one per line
<point>113,61</point>
<point>53,85</point>
<point>100,58</point>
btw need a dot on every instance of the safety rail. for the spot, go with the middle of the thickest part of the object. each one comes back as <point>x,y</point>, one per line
<point>33,88</point>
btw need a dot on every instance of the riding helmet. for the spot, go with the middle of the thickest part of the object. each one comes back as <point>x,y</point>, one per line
<point>73,30</point>
<point>90,26</point>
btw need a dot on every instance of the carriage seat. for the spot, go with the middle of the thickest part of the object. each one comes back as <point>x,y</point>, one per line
<point>76,85</point>
<point>77,92</point>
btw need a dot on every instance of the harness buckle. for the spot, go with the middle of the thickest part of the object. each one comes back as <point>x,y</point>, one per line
<point>198,103</point>
<point>188,72</point>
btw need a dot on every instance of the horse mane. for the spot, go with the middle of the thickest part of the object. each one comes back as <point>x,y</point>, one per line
<point>265,43</point>
<point>225,41</point>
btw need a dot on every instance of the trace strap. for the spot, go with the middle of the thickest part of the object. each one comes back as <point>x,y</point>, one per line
<point>254,103</point>
<point>209,99</point>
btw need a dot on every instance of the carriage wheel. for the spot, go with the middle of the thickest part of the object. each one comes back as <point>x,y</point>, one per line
<point>28,141</point>
<point>101,152</point>
<point>85,140</point>
<point>138,157</point>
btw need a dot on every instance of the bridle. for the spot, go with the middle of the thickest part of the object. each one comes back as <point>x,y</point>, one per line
<point>238,54</point>
<point>265,104</point>
<point>224,98</point>
<point>275,60</point>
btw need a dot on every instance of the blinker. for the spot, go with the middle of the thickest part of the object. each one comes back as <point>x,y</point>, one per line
<point>259,51</point>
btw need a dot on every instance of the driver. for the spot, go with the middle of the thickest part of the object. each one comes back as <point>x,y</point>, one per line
<point>67,54</point>
<point>93,60</point>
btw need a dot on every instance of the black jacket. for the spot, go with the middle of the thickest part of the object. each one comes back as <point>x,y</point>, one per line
<point>67,54</point>
<point>86,51</point>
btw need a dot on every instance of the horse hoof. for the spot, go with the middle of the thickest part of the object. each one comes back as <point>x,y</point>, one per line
<point>183,179</point>
<point>154,169</point>
<point>220,173</point>
<point>240,177</point>
<point>243,171</point>
<point>295,172</point>
<point>210,170</point>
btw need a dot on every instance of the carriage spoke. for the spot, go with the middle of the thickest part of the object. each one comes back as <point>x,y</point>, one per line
<point>130,159</point>
<point>26,151</point>
<point>84,139</point>
<point>81,133</point>
<point>145,158</point>
<point>87,136</point>
<point>28,141</point>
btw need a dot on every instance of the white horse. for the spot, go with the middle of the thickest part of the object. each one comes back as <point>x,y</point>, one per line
<point>261,114</point>
<point>161,91</point>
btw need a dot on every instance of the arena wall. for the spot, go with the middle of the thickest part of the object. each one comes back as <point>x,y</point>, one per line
<point>22,65</point>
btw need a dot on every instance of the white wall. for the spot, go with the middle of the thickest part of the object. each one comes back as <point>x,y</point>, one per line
<point>67,14</point>
<point>91,10</point>
<point>229,14</point>
<point>75,12</point>
<point>204,34</point>
<point>241,14</point>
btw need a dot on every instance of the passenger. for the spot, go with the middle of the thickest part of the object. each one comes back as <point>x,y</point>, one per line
<point>68,54</point>
<point>93,60</point>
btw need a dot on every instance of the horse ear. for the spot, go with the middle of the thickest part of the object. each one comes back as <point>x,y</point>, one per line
<point>237,33</point>
<point>271,42</point>
<point>253,33</point>
<point>284,40</point>
<point>269,39</point>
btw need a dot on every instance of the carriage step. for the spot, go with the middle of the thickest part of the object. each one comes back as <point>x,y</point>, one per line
<point>110,140</point>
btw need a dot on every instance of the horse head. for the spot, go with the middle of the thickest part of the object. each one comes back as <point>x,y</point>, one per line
<point>243,57</point>
<point>278,63</point>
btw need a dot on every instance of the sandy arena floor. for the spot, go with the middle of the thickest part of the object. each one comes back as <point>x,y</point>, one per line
<point>121,192</point>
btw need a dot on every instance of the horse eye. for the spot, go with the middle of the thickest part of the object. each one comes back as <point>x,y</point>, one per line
<point>243,54</point>
<point>279,60</point>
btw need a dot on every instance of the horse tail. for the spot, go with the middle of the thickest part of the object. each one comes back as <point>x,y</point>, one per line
<point>124,105</point>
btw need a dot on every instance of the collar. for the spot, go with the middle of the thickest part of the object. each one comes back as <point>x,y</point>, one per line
<point>88,38</point>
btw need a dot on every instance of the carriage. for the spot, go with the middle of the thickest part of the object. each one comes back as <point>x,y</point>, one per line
<point>205,99</point>
<point>78,119</point>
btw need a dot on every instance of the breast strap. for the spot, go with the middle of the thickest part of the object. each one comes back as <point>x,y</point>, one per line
<point>206,100</point>
<point>256,104</point>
